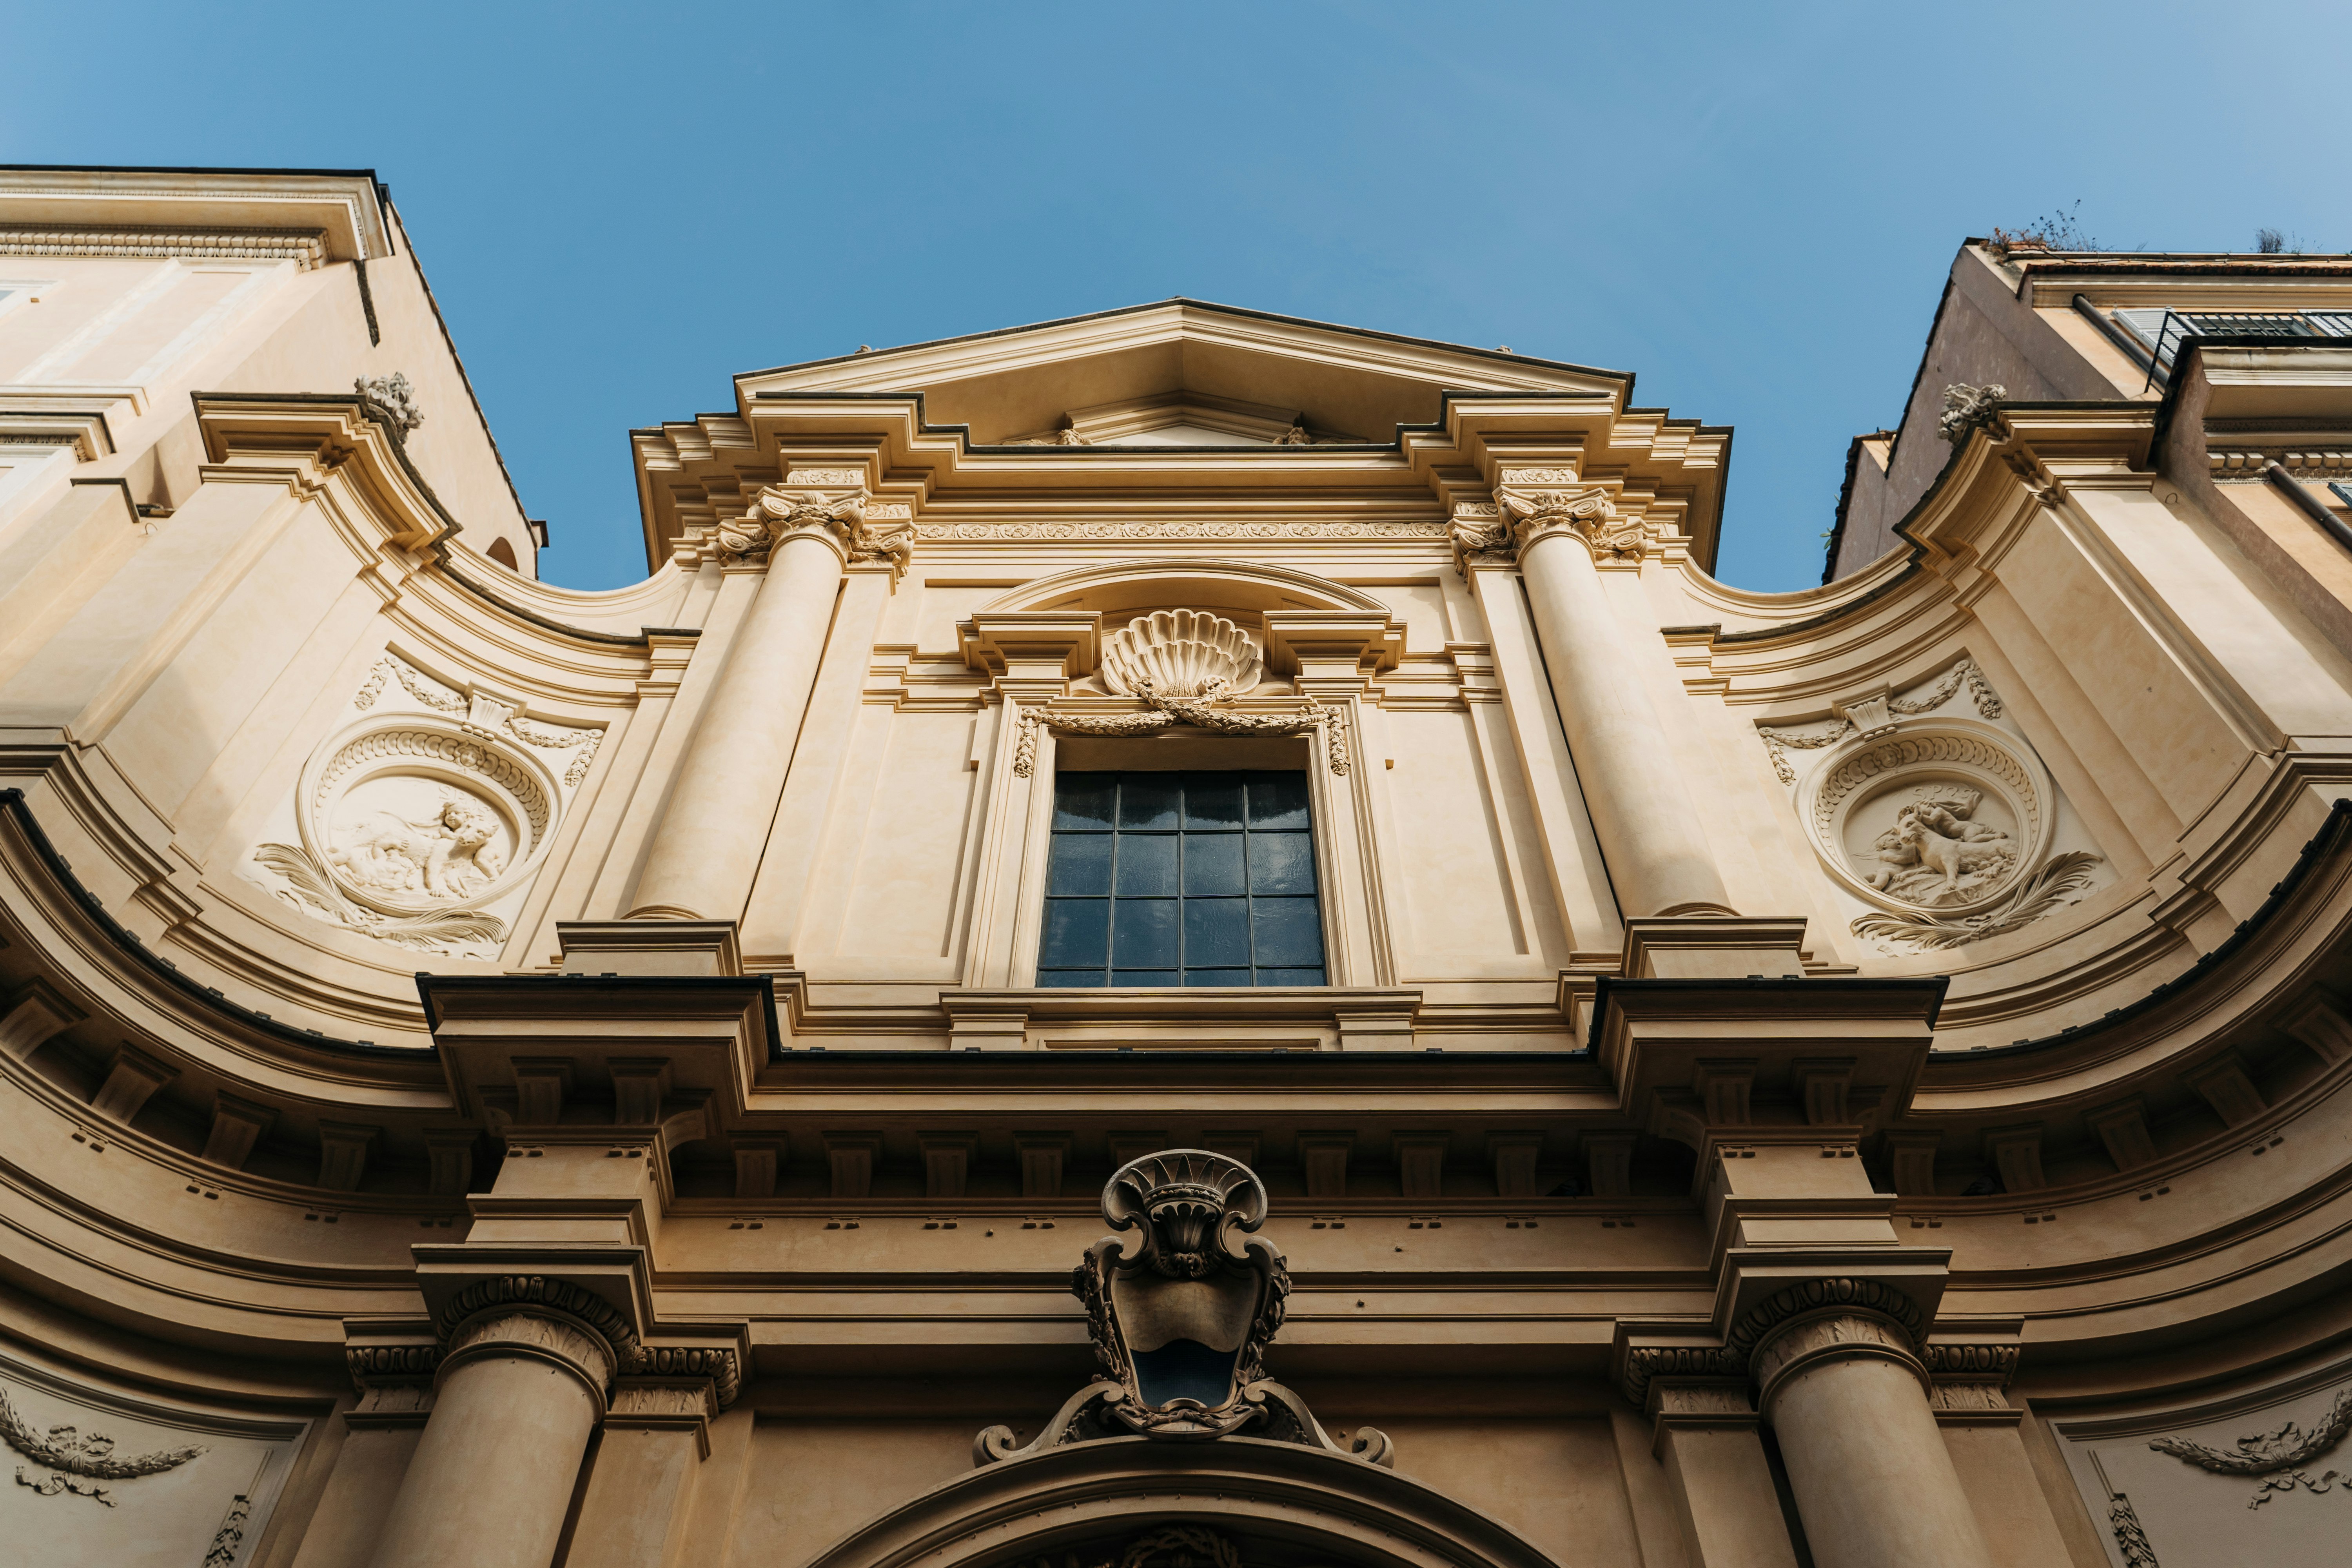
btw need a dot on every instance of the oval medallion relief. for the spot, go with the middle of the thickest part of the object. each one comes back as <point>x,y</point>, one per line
<point>1942,818</point>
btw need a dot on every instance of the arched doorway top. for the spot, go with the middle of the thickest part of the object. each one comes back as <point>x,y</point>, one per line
<point>1207,585</point>
<point>1282,1505</point>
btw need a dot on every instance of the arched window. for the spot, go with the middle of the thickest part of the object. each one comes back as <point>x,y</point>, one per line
<point>503,554</point>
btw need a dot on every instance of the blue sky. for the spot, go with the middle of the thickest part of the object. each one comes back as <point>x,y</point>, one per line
<point>1751,207</point>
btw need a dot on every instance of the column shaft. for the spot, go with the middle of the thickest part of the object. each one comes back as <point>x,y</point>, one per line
<point>707,849</point>
<point>1873,1481</point>
<point>1657,857</point>
<point>492,1478</point>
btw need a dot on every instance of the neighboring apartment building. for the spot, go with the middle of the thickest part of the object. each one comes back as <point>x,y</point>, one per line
<point>1579,1064</point>
<point>2079,326</point>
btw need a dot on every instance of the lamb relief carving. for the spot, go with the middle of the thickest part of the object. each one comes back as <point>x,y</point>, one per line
<point>411,824</point>
<point>1940,819</point>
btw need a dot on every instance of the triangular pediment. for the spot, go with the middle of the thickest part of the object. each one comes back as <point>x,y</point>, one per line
<point>1181,372</point>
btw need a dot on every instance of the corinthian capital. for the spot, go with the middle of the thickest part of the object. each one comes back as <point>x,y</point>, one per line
<point>780,509</point>
<point>1585,511</point>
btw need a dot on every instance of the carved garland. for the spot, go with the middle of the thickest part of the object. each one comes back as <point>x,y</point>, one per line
<point>503,720</point>
<point>1167,711</point>
<point>2285,1450</point>
<point>77,1460</point>
<point>1965,672</point>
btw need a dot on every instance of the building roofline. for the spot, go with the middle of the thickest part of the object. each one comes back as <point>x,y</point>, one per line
<point>1626,376</point>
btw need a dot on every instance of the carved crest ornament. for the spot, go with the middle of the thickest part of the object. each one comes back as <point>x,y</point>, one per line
<point>1943,821</point>
<point>1181,1306</point>
<point>1186,667</point>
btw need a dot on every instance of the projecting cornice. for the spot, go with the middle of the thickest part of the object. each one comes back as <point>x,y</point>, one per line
<point>305,215</point>
<point>706,472</point>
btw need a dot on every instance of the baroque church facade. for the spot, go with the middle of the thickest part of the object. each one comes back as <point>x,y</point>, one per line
<point>1175,939</point>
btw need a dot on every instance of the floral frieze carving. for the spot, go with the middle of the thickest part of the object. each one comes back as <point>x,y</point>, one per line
<point>1186,667</point>
<point>78,1460</point>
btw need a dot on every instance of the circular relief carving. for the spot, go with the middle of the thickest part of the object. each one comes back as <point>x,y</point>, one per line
<point>416,814</point>
<point>1942,817</point>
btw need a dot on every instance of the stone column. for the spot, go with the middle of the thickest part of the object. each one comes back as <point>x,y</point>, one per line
<point>1657,857</point>
<point>519,1391</point>
<point>1873,1482</point>
<point>707,849</point>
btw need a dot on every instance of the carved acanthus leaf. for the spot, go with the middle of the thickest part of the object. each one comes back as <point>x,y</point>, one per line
<point>2058,882</point>
<point>1587,513</point>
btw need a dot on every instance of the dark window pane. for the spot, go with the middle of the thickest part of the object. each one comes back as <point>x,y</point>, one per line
<point>1082,802</point>
<point>1076,933</point>
<point>1277,800</point>
<point>1147,800</point>
<point>1147,865</point>
<point>1289,977</point>
<point>1143,933</point>
<point>1216,932</point>
<point>1081,864</point>
<point>1216,977</point>
<point>1066,979</point>
<point>1288,935</point>
<point>1282,863</point>
<point>1143,977</point>
<point>1213,865</point>
<point>1211,801</point>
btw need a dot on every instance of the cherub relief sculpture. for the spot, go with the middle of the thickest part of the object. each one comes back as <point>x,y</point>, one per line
<point>1935,854</point>
<point>449,855</point>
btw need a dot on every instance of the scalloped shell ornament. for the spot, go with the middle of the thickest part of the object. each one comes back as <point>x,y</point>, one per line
<point>1180,653</point>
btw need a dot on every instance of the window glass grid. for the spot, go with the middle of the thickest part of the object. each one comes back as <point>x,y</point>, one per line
<point>1192,878</point>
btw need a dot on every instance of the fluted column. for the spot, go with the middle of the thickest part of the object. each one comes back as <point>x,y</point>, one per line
<point>1657,857</point>
<point>707,849</point>
<point>518,1394</point>
<point>1873,1482</point>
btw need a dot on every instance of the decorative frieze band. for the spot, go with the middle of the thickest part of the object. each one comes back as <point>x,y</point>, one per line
<point>1129,530</point>
<point>306,247</point>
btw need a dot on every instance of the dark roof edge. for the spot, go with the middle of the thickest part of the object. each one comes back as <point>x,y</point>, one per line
<point>13,802</point>
<point>2316,849</point>
<point>1624,375</point>
<point>438,554</point>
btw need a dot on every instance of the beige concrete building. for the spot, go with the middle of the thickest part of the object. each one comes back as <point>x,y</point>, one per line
<point>1571,1063</point>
